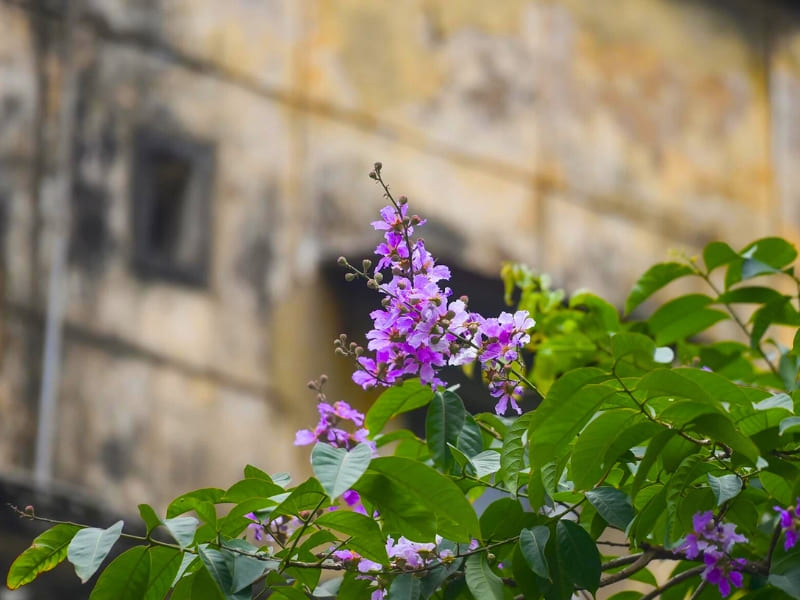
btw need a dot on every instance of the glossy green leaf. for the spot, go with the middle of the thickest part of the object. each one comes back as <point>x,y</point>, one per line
<point>725,487</point>
<point>502,519</point>
<point>447,422</point>
<point>613,505</point>
<point>164,565</point>
<point>532,544</point>
<point>655,278</point>
<point>395,401</point>
<point>512,456</point>
<point>720,428</point>
<point>149,516</point>
<point>481,580</point>
<point>594,441</point>
<point>784,574</point>
<point>187,502</point>
<point>683,317</point>
<point>45,552</point>
<point>486,463</point>
<point>578,555</point>
<point>219,565</point>
<point>337,469</point>
<point>89,548</point>
<point>182,529</point>
<point>406,587</point>
<point>251,487</point>
<point>748,295</point>
<point>366,536</point>
<point>717,254</point>
<point>306,496</point>
<point>789,425</point>
<point>414,499</point>
<point>126,578</point>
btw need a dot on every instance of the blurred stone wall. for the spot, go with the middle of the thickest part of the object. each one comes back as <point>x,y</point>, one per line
<point>582,140</point>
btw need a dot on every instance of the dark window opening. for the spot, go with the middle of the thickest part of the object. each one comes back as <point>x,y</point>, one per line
<point>171,208</point>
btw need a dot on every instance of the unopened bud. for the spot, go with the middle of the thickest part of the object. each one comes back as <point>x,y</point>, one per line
<point>402,200</point>
<point>323,379</point>
<point>340,351</point>
<point>366,264</point>
<point>343,338</point>
<point>372,284</point>
<point>373,175</point>
<point>29,509</point>
<point>311,385</point>
<point>358,351</point>
<point>491,557</point>
<point>415,220</point>
<point>341,261</point>
<point>379,277</point>
<point>349,276</point>
<point>378,166</point>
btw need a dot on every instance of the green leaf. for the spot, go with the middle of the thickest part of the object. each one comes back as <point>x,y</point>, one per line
<point>777,312</point>
<point>481,580</point>
<point>578,555</point>
<point>772,251</point>
<point>512,456</point>
<point>189,501</point>
<point>367,539</point>
<point>613,505</point>
<point>655,278</point>
<point>532,544</point>
<point>502,519</point>
<point>683,317</point>
<point>445,424</point>
<point>486,463</point>
<point>89,548</point>
<point>650,457</point>
<point>337,468</point>
<point>251,472</point>
<point>149,516</point>
<point>596,438</point>
<point>724,487</point>
<point>784,573</point>
<point>415,499</point>
<point>126,578</point>
<point>245,571</point>
<point>220,566</point>
<point>182,529</point>
<point>397,400</point>
<point>549,436</point>
<point>717,254</point>
<point>45,552</point>
<point>405,587</point>
<point>305,496</point>
<point>164,565</point>
<point>789,424</point>
<point>748,295</point>
<point>251,487</point>
<point>721,428</point>
<point>778,487</point>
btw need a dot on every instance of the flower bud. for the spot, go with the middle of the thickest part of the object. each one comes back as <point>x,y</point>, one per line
<point>323,379</point>
<point>358,351</point>
<point>379,277</point>
<point>349,276</point>
<point>377,166</point>
<point>402,200</point>
<point>340,351</point>
<point>373,175</point>
<point>29,509</point>
<point>372,284</point>
<point>312,385</point>
<point>341,261</point>
<point>366,264</point>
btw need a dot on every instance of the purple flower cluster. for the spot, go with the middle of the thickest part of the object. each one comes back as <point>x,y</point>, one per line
<point>403,554</point>
<point>328,430</point>
<point>789,521</point>
<point>421,329</point>
<point>715,541</point>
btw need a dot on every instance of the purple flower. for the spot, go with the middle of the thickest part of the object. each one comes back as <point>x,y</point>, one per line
<point>367,566</point>
<point>715,541</point>
<point>326,430</point>
<point>789,519</point>
<point>420,330</point>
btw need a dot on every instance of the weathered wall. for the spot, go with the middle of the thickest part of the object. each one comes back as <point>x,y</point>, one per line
<point>584,141</point>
